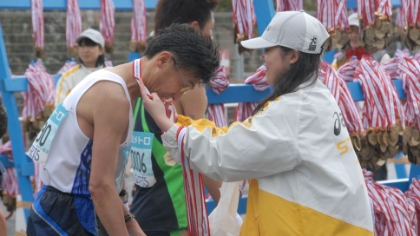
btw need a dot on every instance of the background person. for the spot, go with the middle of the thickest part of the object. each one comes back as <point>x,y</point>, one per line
<point>302,184</point>
<point>91,58</point>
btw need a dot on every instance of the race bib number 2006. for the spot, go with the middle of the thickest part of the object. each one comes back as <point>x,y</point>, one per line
<point>41,146</point>
<point>141,159</point>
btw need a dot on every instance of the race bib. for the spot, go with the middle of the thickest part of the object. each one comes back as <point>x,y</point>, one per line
<point>141,159</point>
<point>41,146</point>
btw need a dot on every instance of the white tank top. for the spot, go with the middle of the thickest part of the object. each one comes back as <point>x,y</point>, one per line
<point>70,156</point>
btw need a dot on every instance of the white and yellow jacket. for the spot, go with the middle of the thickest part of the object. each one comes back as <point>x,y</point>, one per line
<point>70,79</point>
<point>306,179</point>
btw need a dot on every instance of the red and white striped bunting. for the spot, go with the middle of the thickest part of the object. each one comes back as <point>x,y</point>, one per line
<point>139,22</point>
<point>37,23</point>
<point>198,223</point>
<point>289,5</point>
<point>244,17</point>
<point>258,81</point>
<point>107,22</point>
<point>73,23</point>
<point>216,112</point>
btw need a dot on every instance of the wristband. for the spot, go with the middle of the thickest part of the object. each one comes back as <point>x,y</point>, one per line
<point>128,217</point>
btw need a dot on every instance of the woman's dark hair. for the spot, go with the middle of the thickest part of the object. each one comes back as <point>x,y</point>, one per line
<point>88,42</point>
<point>304,70</point>
<point>183,11</point>
<point>192,50</point>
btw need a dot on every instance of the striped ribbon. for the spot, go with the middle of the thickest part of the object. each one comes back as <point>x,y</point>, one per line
<point>258,81</point>
<point>244,17</point>
<point>73,23</point>
<point>216,112</point>
<point>413,199</point>
<point>37,23</point>
<point>326,12</point>
<point>139,22</point>
<point>338,87</point>
<point>368,10</point>
<point>198,223</point>
<point>382,105</point>
<point>391,210</point>
<point>333,14</point>
<point>41,91</point>
<point>347,70</point>
<point>411,10</point>
<point>401,19</point>
<point>289,5</point>
<point>391,66</point>
<point>383,9</point>
<point>107,22</point>
<point>409,71</point>
<point>9,184</point>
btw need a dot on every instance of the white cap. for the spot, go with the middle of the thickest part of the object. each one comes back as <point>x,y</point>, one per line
<point>93,35</point>
<point>292,29</point>
<point>354,20</point>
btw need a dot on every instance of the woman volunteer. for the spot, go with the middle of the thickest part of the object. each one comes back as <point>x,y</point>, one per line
<point>306,179</point>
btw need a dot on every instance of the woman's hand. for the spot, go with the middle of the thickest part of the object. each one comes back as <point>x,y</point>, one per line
<point>156,109</point>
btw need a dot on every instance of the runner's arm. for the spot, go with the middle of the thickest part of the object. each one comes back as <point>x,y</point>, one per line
<point>110,109</point>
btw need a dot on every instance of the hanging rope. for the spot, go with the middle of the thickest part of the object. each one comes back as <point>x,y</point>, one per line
<point>73,26</point>
<point>244,19</point>
<point>37,17</point>
<point>107,24</point>
<point>138,27</point>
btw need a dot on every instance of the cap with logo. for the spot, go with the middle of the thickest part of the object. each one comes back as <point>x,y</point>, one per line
<point>354,19</point>
<point>93,35</point>
<point>292,29</point>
